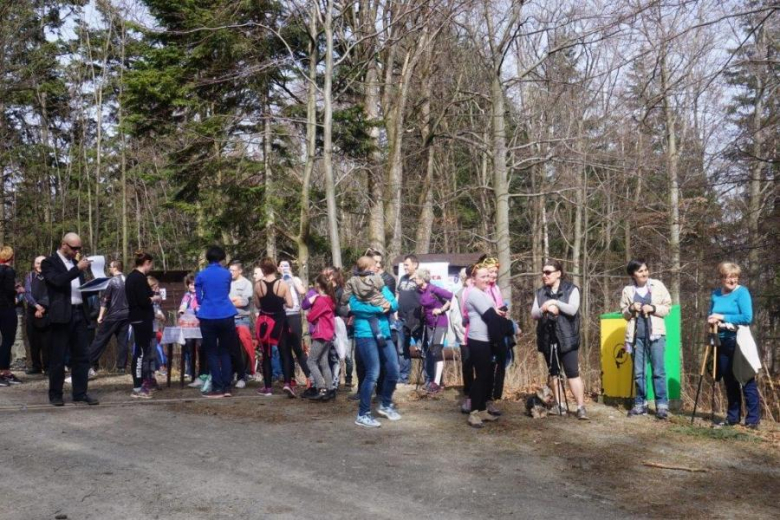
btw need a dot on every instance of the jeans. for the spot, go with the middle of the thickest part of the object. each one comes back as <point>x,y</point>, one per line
<point>372,357</point>
<point>655,350</point>
<point>728,346</point>
<point>404,357</point>
<point>219,340</point>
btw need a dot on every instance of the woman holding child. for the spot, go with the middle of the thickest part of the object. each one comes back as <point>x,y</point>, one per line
<point>371,302</point>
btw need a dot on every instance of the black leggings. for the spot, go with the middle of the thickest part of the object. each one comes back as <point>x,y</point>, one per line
<point>568,360</point>
<point>143,359</point>
<point>481,355</point>
<point>294,342</point>
<point>500,372</point>
<point>9,321</point>
<point>467,368</point>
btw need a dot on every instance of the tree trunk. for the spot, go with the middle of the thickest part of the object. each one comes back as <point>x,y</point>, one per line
<point>579,210</point>
<point>672,159</point>
<point>756,173</point>
<point>501,186</point>
<point>425,225</point>
<point>330,184</point>
<point>270,214</point>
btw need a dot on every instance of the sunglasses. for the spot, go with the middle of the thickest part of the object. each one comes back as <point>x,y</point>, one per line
<point>548,273</point>
<point>78,248</point>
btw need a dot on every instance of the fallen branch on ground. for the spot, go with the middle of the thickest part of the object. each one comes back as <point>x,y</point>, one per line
<point>678,468</point>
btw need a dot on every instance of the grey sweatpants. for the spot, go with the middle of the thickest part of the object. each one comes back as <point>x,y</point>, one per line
<point>318,364</point>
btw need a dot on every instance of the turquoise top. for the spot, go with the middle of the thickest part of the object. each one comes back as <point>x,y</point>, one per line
<point>736,306</point>
<point>363,311</point>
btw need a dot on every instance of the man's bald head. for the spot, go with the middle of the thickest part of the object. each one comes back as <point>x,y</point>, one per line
<point>71,245</point>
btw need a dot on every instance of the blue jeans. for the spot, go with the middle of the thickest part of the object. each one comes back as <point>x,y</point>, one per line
<point>219,340</point>
<point>404,359</point>
<point>371,356</point>
<point>655,349</point>
<point>728,346</point>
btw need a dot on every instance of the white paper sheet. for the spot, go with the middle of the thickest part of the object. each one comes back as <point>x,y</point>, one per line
<point>98,266</point>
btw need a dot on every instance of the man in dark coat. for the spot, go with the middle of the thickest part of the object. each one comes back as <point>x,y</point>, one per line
<point>63,273</point>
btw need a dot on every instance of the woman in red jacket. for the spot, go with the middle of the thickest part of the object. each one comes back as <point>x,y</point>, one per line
<point>322,319</point>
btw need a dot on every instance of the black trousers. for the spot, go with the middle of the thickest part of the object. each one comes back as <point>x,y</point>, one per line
<point>468,369</point>
<point>295,344</point>
<point>39,338</point>
<point>500,373</point>
<point>118,328</point>
<point>481,356</point>
<point>69,338</point>
<point>142,364</point>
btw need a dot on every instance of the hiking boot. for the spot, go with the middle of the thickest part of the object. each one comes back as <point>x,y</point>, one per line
<point>637,410</point>
<point>265,391</point>
<point>486,416</point>
<point>581,414</point>
<point>662,413</point>
<point>466,406</point>
<point>86,399</point>
<point>388,412</point>
<point>289,391</point>
<point>475,420</point>
<point>367,421</point>
<point>492,410</point>
<point>312,393</point>
<point>141,393</point>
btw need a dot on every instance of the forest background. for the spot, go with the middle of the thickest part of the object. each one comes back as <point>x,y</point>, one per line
<point>587,131</point>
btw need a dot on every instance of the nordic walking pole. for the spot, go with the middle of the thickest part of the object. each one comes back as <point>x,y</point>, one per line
<point>701,378</point>
<point>715,340</point>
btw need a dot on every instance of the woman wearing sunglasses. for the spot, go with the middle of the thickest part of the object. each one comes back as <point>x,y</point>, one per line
<point>557,311</point>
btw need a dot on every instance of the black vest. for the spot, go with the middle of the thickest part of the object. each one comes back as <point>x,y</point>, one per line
<point>562,328</point>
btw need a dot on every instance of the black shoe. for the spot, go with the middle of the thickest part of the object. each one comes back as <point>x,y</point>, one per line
<point>11,379</point>
<point>348,383</point>
<point>56,401</point>
<point>752,426</point>
<point>331,394</point>
<point>310,393</point>
<point>33,371</point>
<point>87,399</point>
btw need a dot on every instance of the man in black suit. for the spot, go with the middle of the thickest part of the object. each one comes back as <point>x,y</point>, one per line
<point>63,275</point>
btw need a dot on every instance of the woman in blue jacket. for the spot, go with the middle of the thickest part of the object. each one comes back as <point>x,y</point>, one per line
<point>730,307</point>
<point>372,355</point>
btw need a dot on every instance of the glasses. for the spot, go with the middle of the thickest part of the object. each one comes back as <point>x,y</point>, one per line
<point>548,273</point>
<point>75,248</point>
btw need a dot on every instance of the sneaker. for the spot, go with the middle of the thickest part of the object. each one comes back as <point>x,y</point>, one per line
<point>288,389</point>
<point>486,416</point>
<point>69,380</point>
<point>662,413</point>
<point>367,421</point>
<point>321,395</point>
<point>752,426</point>
<point>92,374</point>
<point>331,395</point>
<point>388,412</point>
<point>207,385</point>
<point>492,410</point>
<point>312,393</point>
<point>141,393</point>
<point>265,391</point>
<point>198,382</point>
<point>11,379</point>
<point>354,397</point>
<point>348,383</point>
<point>434,389</point>
<point>466,406</point>
<point>227,393</point>
<point>475,420</point>
<point>581,415</point>
<point>240,384</point>
<point>637,410</point>
<point>558,410</point>
<point>32,371</point>
<point>4,383</point>
<point>214,395</point>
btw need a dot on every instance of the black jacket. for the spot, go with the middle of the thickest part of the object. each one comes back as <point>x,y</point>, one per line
<point>58,279</point>
<point>7,287</point>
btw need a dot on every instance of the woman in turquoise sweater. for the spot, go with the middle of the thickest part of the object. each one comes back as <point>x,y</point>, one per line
<point>730,307</point>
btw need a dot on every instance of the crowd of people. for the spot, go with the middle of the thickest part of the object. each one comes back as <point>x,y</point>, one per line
<point>364,323</point>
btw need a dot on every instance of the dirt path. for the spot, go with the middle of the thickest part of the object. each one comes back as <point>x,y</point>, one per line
<point>253,457</point>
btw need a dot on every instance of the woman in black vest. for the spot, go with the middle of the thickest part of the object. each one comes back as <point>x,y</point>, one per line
<point>557,311</point>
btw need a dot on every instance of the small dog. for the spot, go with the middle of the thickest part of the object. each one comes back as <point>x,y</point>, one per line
<point>537,405</point>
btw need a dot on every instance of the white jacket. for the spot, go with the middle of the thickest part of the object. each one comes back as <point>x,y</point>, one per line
<point>659,297</point>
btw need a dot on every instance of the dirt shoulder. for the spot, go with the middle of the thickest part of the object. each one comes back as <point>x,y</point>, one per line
<point>275,457</point>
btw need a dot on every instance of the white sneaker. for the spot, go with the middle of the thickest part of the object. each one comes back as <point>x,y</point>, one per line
<point>69,380</point>
<point>197,383</point>
<point>240,383</point>
<point>91,374</point>
<point>388,412</point>
<point>366,421</point>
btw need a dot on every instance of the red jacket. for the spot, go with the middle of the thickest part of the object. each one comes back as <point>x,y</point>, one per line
<point>322,318</point>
